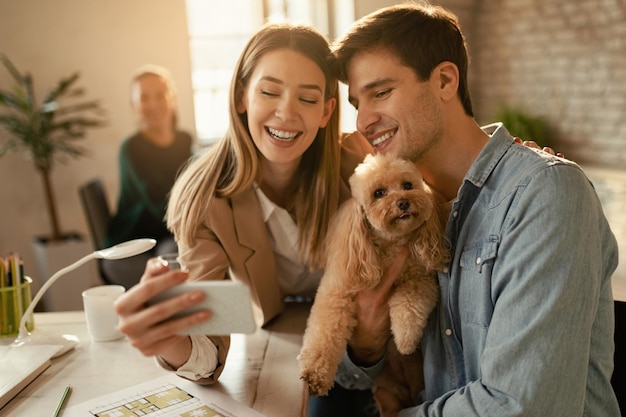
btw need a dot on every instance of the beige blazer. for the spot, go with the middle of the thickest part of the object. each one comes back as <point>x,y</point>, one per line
<point>234,243</point>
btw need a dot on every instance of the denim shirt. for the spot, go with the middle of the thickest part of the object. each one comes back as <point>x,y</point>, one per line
<point>525,323</point>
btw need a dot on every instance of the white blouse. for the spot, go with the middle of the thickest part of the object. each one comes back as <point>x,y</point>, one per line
<point>294,276</point>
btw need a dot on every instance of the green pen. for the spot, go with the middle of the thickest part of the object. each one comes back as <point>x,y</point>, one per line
<point>66,393</point>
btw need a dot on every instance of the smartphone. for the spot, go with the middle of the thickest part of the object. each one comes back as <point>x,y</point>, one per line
<point>229,301</point>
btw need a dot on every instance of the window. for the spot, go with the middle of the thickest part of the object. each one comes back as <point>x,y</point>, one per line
<point>218,33</point>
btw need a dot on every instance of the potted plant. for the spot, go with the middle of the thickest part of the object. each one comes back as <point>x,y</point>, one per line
<point>523,125</point>
<point>46,131</point>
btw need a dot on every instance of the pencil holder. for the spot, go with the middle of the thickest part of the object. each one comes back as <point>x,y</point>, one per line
<point>14,300</point>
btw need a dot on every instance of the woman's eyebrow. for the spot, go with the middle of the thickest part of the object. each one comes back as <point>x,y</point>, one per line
<point>311,87</point>
<point>305,86</point>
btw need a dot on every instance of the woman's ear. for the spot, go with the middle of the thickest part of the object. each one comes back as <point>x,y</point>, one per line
<point>240,100</point>
<point>447,77</point>
<point>329,107</point>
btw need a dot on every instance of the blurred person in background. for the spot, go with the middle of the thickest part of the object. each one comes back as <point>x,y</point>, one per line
<point>149,161</point>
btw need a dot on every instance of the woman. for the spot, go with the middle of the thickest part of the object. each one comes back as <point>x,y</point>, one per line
<point>256,207</point>
<point>149,161</point>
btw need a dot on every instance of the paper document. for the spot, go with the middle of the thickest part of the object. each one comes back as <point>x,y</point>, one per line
<point>20,365</point>
<point>168,396</point>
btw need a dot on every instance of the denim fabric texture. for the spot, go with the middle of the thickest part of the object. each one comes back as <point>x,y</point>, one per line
<point>525,322</point>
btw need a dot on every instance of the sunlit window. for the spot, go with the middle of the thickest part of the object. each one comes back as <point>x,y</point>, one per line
<point>218,33</point>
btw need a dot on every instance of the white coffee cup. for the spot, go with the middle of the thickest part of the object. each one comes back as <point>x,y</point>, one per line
<point>102,320</point>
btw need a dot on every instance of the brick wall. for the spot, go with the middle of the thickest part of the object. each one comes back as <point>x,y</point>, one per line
<point>562,60</point>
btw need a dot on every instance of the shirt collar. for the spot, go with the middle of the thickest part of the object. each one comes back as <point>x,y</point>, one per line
<point>267,206</point>
<point>500,141</point>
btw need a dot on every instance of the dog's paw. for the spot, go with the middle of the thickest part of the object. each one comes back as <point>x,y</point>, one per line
<point>407,341</point>
<point>318,384</point>
<point>406,347</point>
<point>316,371</point>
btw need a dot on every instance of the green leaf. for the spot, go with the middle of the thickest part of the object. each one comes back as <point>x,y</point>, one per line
<point>11,68</point>
<point>523,125</point>
<point>61,88</point>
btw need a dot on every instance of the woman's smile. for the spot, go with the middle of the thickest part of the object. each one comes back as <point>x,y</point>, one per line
<point>283,135</point>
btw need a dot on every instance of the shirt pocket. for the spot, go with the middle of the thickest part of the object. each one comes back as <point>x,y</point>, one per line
<point>480,254</point>
<point>474,291</point>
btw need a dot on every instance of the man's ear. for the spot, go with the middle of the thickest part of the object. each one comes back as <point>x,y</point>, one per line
<point>240,102</point>
<point>447,77</point>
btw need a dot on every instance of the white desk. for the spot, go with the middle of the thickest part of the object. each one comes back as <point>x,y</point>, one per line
<point>261,370</point>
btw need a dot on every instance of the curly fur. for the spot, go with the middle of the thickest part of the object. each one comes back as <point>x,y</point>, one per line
<point>391,208</point>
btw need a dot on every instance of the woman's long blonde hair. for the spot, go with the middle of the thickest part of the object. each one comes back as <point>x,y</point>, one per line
<point>232,164</point>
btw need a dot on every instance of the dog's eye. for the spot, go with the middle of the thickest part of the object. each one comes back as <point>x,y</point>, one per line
<point>380,193</point>
<point>408,185</point>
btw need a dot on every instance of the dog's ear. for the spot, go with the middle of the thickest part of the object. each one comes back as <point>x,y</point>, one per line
<point>430,244</point>
<point>350,251</point>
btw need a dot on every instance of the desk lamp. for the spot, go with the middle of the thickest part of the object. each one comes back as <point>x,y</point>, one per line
<point>68,342</point>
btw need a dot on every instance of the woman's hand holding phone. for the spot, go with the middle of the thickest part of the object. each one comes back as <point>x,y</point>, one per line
<point>152,328</point>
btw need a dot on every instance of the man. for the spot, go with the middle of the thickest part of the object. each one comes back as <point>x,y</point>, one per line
<point>524,326</point>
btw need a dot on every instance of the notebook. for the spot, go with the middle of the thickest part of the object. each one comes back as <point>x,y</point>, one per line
<point>20,366</point>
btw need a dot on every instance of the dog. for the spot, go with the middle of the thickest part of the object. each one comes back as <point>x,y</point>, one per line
<point>391,208</point>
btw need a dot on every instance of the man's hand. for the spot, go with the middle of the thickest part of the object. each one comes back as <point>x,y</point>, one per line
<point>387,403</point>
<point>533,144</point>
<point>369,339</point>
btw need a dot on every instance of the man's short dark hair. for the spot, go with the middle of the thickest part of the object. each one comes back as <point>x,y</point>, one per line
<point>421,37</point>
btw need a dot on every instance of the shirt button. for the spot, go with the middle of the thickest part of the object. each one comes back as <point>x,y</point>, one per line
<point>455,213</point>
<point>478,261</point>
<point>448,332</point>
<point>356,376</point>
<point>445,270</point>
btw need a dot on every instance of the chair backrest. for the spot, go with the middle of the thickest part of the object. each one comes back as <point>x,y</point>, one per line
<point>96,208</point>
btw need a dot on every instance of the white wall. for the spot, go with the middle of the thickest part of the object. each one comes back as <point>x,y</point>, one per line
<point>106,40</point>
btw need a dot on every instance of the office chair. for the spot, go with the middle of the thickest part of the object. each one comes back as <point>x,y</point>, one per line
<point>96,208</point>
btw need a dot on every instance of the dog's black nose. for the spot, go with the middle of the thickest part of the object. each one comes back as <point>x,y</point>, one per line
<point>403,204</point>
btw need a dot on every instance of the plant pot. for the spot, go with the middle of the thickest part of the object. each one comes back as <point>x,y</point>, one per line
<point>51,256</point>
